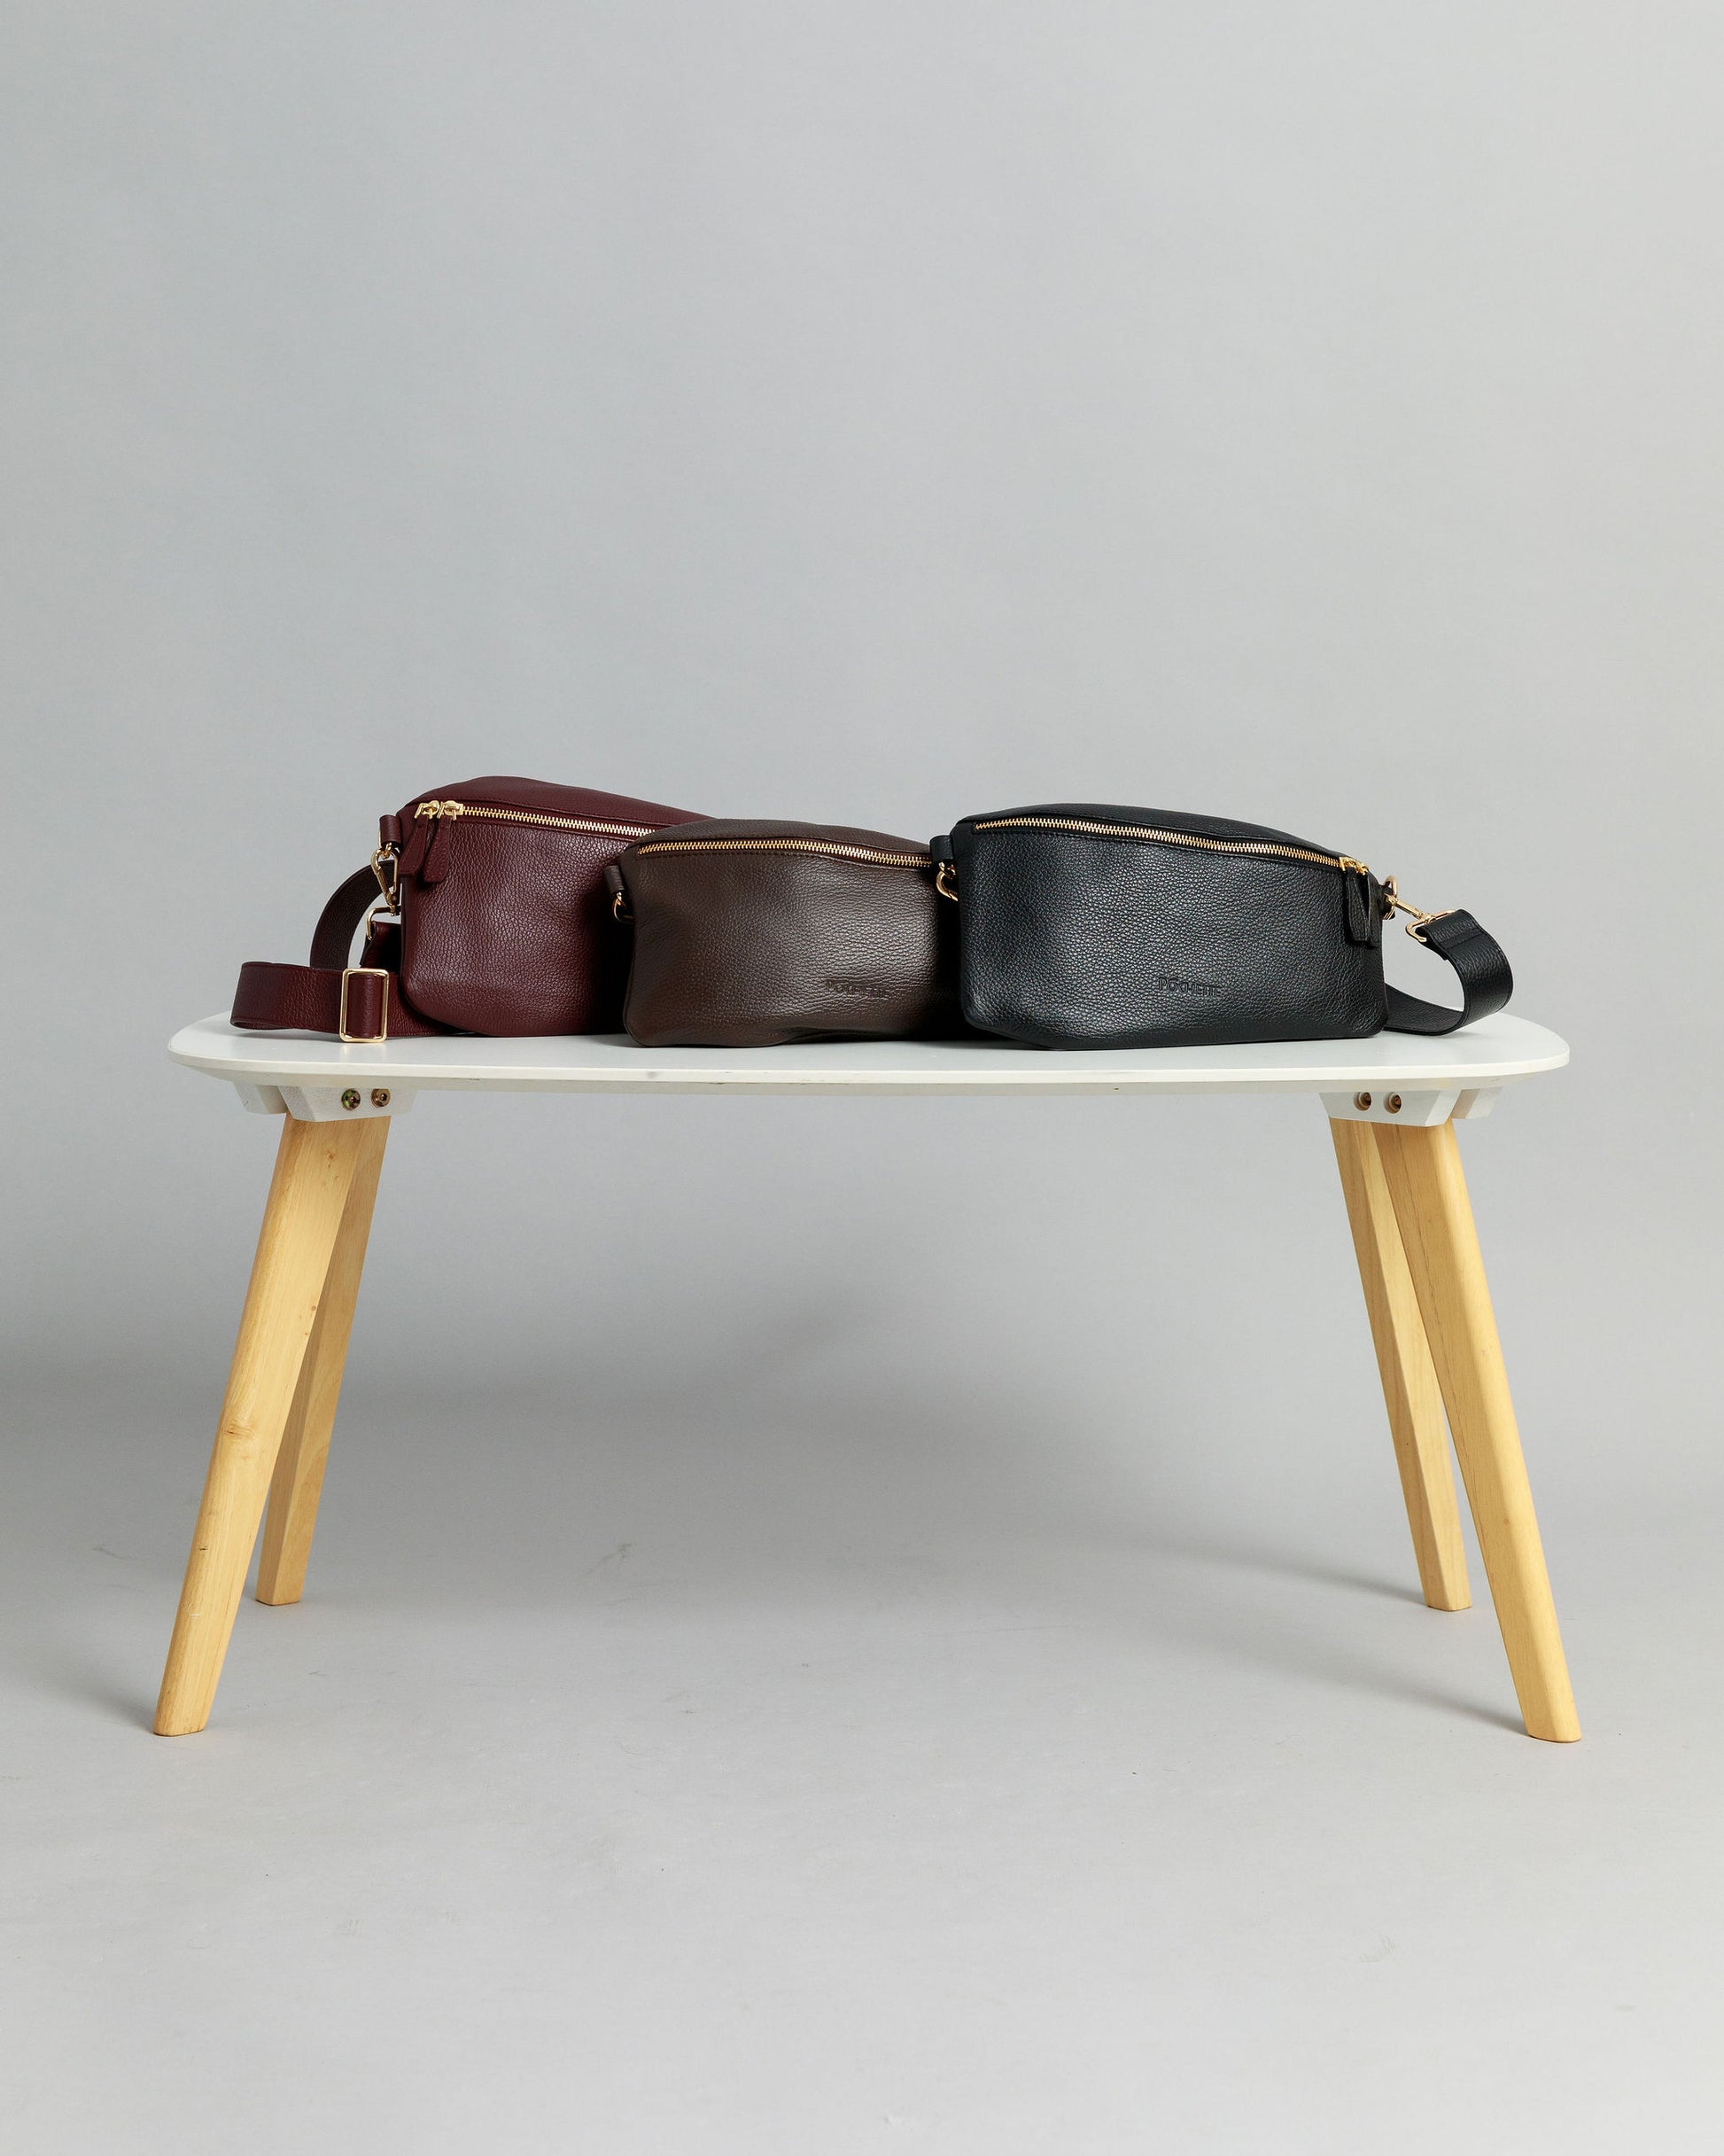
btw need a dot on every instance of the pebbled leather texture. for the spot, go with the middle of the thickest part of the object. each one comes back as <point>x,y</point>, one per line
<point>1072,940</point>
<point>508,929</point>
<point>746,947</point>
<point>505,927</point>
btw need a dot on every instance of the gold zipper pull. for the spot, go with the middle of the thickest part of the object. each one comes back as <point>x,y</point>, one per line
<point>1357,901</point>
<point>434,862</point>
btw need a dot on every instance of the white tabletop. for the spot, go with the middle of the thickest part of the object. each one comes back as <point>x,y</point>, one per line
<point>1480,1059</point>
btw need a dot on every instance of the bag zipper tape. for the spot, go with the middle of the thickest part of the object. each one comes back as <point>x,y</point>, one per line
<point>1262,846</point>
<point>875,855</point>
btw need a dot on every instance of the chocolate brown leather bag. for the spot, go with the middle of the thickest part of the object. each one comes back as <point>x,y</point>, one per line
<point>749,934</point>
<point>487,914</point>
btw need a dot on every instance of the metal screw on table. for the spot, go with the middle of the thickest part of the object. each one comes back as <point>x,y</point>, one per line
<point>380,1096</point>
<point>350,1099</point>
<point>1361,1099</point>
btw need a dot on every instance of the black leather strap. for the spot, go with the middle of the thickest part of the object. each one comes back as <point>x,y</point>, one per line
<point>1481,965</point>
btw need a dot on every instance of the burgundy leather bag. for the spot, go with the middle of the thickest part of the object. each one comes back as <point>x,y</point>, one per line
<point>485,912</point>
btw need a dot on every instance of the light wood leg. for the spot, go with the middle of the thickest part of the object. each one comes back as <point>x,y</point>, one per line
<point>297,1483</point>
<point>1403,1360</point>
<point>1423,1170</point>
<point>314,1172</point>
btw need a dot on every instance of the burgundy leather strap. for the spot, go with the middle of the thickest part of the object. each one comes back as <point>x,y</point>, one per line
<point>333,936</point>
<point>276,999</point>
<point>273,999</point>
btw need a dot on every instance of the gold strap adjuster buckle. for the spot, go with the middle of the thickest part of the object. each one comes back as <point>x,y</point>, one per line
<point>364,1040</point>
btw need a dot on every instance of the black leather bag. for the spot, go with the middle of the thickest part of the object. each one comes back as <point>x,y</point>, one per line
<point>1087,927</point>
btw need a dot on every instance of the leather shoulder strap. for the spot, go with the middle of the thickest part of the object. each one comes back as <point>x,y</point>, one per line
<point>333,936</point>
<point>1479,962</point>
<point>273,999</point>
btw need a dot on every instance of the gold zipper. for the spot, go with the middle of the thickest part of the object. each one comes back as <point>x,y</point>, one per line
<point>1173,838</point>
<point>786,845</point>
<point>440,811</point>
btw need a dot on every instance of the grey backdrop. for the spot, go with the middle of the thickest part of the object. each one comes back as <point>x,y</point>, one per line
<point>836,1616</point>
<point>872,413</point>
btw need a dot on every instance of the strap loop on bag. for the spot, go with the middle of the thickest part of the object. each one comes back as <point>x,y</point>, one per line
<point>1479,962</point>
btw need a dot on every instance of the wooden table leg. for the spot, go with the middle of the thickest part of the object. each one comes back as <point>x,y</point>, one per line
<point>297,1483</point>
<point>1423,1170</point>
<point>1403,1360</point>
<point>315,1170</point>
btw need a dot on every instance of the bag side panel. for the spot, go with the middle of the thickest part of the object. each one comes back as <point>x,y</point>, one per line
<point>518,937</point>
<point>751,950</point>
<point>1077,942</point>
